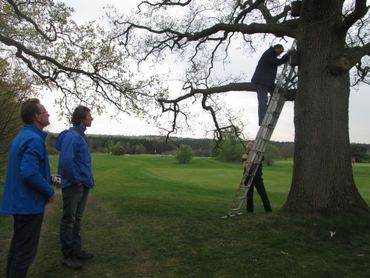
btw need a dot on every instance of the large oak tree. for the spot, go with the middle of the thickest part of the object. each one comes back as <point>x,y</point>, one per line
<point>333,39</point>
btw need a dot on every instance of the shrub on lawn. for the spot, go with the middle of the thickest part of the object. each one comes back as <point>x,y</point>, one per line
<point>118,149</point>
<point>184,154</point>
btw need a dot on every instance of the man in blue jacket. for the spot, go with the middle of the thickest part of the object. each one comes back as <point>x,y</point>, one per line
<point>77,179</point>
<point>265,74</point>
<point>27,187</point>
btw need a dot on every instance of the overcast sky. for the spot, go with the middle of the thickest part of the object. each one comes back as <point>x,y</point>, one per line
<point>243,102</point>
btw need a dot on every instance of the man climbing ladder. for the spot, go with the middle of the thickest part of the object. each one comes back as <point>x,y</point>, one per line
<point>265,74</point>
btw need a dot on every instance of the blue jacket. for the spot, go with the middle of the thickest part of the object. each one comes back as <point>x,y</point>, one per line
<point>27,185</point>
<point>74,158</point>
<point>266,69</point>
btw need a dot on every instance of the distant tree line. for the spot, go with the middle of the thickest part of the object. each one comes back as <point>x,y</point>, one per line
<point>360,152</point>
<point>139,144</point>
<point>230,149</point>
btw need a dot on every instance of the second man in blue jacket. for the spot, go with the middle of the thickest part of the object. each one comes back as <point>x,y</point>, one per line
<point>75,170</point>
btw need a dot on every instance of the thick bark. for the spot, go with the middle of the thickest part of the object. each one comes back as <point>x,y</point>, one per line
<point>322,174</point>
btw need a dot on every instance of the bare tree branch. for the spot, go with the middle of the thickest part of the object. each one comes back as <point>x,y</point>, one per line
<point>176,39</point>
<point>269,18</point>
<point>35,25</point>
<point>359,12</point>
<point>174,107</point>
<point>349,58</point>
<point>284,29</point>
<point>246,10</point>
<point>164,3</point>
<point>214,117</point>
<point>241,86</point>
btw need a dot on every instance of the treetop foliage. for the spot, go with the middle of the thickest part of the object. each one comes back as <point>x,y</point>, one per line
<point>82,61</point>
<point>15,85</point>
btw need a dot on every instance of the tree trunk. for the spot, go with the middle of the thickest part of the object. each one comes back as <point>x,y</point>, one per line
<point>322,173</point>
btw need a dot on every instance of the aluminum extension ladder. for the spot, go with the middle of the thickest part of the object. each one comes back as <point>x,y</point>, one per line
<point>263,137</point>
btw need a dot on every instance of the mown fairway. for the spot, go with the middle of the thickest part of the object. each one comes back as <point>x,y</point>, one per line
<point>151,217</point>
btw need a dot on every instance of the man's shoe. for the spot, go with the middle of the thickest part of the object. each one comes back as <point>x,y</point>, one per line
<point>72,263</point>
<point>83,255</point>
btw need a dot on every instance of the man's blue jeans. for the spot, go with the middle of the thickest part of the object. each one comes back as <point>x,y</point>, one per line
<point>74,202</point>
<point>262,97</point>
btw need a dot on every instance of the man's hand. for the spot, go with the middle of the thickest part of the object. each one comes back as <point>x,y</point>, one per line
<point>56,180</point>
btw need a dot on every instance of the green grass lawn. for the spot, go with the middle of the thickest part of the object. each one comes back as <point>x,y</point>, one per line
<point>149,216</point>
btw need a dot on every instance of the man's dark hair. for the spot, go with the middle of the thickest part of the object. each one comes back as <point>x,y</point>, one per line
<point>29,109</point>
<point>79,114</point>
<point>276,46</point>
